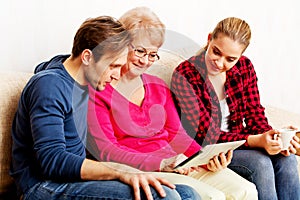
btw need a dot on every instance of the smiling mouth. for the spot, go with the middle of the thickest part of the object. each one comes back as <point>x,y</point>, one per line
<point>139,66</point>
<point>217,69</point>
<point>214,67</point>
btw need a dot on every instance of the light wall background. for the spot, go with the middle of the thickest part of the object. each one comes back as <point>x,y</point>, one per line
<point>35,30</point>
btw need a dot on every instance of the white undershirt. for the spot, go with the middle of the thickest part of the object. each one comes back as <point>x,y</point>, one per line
<point>225,115</point>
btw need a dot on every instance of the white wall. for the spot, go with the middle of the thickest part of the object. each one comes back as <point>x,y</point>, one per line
<point>35,30</point>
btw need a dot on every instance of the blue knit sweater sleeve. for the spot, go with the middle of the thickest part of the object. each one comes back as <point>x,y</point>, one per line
<point>57,145</point>
<point>46,144</point>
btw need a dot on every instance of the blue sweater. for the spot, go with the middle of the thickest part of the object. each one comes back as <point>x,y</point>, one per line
<point>49,127</point>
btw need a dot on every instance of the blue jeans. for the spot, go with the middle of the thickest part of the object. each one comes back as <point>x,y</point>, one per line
<point>104,190</point>
<point>275,177</point>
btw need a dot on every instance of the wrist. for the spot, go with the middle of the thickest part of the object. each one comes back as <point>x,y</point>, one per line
<point>162,165</point>
<point>254,140</point>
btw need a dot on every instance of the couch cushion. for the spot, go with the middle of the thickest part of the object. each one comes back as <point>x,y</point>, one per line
<point>11,85</point>
<point>279,118</point>
<point>165,66</point>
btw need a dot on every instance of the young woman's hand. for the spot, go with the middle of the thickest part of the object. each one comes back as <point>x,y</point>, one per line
<point>293,148</point>
<point>268,140</point>
<point>220,162</point>
<point>271,142</point>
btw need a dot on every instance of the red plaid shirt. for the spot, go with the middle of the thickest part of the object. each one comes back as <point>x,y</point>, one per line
<point>199,107</point>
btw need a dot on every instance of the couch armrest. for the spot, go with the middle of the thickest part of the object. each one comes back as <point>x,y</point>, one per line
<point>11,85</point>
<point>279,118</point>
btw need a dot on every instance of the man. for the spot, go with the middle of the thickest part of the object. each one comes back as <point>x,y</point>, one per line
<point>49,129</point>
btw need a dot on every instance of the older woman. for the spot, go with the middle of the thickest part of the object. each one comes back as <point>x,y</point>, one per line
<point>134,120</point>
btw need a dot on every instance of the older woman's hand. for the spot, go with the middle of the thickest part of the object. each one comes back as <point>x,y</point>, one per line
<point>220,162</point>
<point>168,164</point>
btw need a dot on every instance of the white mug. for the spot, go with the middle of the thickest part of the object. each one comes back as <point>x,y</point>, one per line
<point>286,136</point>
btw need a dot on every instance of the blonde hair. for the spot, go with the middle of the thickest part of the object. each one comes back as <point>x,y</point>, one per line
<point>142,22</point>
<point>234,28</point>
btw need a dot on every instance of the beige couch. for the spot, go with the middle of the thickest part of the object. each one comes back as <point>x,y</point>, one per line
<point>12,83</point>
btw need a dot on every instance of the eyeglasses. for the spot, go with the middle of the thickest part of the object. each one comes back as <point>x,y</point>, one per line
<point>142,52</point>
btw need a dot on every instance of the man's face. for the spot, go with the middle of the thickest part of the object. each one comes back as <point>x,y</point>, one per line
<point>105,70</point>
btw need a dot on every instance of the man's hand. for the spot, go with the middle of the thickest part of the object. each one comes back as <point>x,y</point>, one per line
<point>144,181</point>
<point>94,170</point>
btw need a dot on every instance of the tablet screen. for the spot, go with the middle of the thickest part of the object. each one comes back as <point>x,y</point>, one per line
<point>203,156</point>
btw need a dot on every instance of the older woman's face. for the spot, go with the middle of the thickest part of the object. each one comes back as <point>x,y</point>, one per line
<point>222,54</point>
<point>142,54</point>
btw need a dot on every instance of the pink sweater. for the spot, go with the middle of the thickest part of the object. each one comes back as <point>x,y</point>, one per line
<point>139,136</point>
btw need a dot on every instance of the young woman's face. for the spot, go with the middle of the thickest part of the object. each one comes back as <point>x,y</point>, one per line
<point>222,54</point>
<point>142,54</point>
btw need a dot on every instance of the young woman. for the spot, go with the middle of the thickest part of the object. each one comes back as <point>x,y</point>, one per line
<point>220,85</point>
<point>134,120</point>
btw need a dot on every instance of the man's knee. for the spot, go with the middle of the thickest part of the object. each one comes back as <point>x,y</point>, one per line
<point>170,194</point>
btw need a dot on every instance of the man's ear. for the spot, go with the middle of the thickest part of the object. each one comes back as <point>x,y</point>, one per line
<point>86,56</point>
<point>209,37</point>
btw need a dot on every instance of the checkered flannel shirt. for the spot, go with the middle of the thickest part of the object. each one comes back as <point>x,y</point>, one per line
<point>199,107</point>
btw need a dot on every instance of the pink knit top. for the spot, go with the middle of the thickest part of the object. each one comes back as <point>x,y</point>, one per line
<point>139,136</point>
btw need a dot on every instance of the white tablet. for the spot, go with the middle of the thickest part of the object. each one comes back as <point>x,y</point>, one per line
<point>203,156</point>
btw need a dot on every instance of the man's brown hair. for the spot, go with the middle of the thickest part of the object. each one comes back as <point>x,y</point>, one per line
<point>101,35</point>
